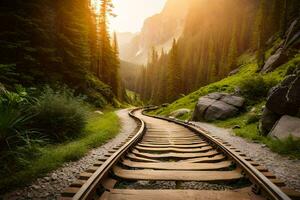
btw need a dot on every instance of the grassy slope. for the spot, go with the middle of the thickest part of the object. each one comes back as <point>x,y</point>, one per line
<point>100,128</point>
<point>248,129</point>
<point>248,68</point>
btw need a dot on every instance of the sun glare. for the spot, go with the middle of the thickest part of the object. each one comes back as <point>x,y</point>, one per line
<point>130,13</point>
<point>96,6</point>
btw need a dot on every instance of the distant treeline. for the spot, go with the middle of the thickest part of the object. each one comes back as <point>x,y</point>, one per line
<point>216,33</point>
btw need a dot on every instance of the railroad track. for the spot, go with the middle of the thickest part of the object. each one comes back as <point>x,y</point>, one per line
<point>167,159</point>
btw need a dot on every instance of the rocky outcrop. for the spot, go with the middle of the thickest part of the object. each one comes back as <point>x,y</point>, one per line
<point>281,55</point>
<point>275,60</point>
<point>216,106</point>
<point>283,99</point>
<point>180,112</point>
<point>287,126</point>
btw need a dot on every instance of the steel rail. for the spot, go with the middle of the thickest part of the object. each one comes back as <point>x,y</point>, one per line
<point>89,188</point>
<point>265,186</point>
<point>262,184</point>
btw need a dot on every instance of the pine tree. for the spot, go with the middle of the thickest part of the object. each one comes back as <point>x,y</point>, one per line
<point>174,74</point>
<point>115,69</point>
<point>232,55</point>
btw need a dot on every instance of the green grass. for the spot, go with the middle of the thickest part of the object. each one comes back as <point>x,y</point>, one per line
<point>248,68</point>
<point>99,129</point>
<point>288,146</point>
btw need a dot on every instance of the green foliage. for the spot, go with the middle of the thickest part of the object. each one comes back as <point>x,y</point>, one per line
<point>59,114</point>
<point>14,119</point>
<point>133,98</point>
<point>97,92</point>
<point>248,69</point>
<point>256,87</point>
<point>288,146</point>
<point>55,42</point>
<point>252,118</point>
<point>98,130</point>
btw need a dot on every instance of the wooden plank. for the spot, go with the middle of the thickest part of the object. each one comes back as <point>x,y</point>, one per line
<point>175,155</point>
<point>193,150</point>
<point>172,140</point>
<point>269,175</point>
<point>70,191</point>
<point>137,158</point>
<point>175,175</point>
<point>78,183</point>
<point>85,175</point>
<point>261,168</point>
<point>293,194</point>
<point>119,194</point>
<point>109,183</point>
<point>174,146</point>
<point>278,182</point>
<point>170,143</point>
<point>178,166</point>
<point>92,169</point>
<point>204,159</point>
<point>170,135</point>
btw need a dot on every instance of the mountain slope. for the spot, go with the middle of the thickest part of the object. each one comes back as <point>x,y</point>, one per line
<point>216,33</point>
<point>158,31</point>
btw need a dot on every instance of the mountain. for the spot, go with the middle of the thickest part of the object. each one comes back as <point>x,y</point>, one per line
<point>124,39</point>
<point>158,31</point>
<point>216,34</point>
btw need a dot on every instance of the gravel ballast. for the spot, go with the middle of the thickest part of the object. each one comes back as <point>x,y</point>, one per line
<point>50,186</point>
<point>286,169</point>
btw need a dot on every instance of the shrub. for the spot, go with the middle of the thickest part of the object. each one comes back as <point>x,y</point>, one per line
<point>256,87</point>
<point>289,146</point>
<point>60,114</point>
<point>14,118</point>
<point>98,93</point>
<point>252,118</point>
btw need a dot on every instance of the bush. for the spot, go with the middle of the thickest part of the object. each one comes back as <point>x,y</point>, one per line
<point>252,118</point>
<point>289,146</point>
<point>14,118</point>
<point>60,115</point>
<point>98,93</point>
<point>256,87</point>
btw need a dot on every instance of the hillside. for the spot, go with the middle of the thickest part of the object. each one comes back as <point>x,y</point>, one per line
<point>248,68</point>
<point>214,37</point>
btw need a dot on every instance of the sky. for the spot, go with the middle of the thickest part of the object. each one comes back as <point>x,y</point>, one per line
<point>132,13</point>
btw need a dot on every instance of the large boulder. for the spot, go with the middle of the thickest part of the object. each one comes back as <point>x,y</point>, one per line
<point>283,99</point>
<point>233,100</point>
<point>220,110</point>
<point>293,95</point>
<point>285,127</point>
<point>180,112</point>
<point>216,106</point>
<point>201,107</point>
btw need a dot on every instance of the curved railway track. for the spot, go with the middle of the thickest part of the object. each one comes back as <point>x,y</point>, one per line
<point>183,160</point>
